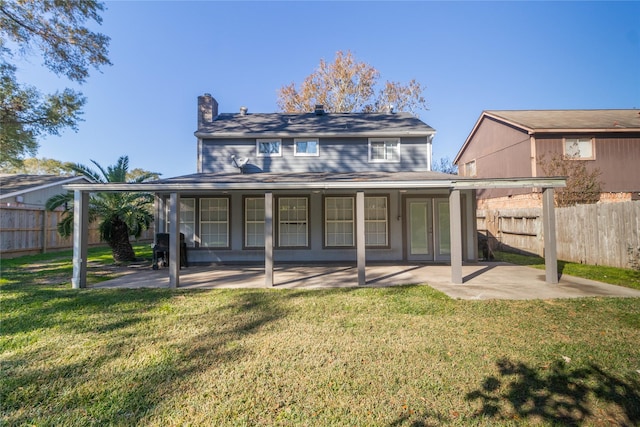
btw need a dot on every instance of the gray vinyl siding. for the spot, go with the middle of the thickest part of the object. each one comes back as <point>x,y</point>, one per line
<point>336,155</point>
<point>316,252</point>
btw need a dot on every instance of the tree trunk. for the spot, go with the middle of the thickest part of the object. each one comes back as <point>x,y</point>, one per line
<point>120,245</point>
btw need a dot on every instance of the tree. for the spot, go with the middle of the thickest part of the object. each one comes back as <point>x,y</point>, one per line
<point>69,49</point>
<point>120,215</point>
<point>40,166</point>
<point>445,165</point>
<point>347,85</point>
<point>583,186</point>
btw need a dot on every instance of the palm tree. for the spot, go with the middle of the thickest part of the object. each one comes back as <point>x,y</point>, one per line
<point>120,215</point>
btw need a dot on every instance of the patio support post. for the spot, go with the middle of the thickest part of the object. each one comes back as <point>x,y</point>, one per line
<point>549,230</point>
<point>268,239</point>
<point>360,238</point>
<point>80,237</point>
<point>174,240</point>
<point>455,235</point>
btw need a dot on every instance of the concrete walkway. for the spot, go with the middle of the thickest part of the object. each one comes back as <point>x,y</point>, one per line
<point>493,280</point>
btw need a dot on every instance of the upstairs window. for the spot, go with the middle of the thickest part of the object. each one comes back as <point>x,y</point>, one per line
<point>470,168</point>
<point>306,147</point>
<point>579,149</point>
<point>384,150</point>
<point>269,148</point>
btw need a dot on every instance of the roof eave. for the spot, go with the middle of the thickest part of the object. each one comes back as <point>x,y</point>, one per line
<point>42,187</point>
<point>218,135</point>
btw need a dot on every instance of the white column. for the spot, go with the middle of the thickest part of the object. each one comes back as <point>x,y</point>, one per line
<point>268,239</point>
<point>455,232</point>
<point>174,240</point>
<point>549,230</point>
<point>360,238</point>
<point>80,237</point>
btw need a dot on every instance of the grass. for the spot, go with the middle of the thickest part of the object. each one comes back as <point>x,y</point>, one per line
<point>402,356</point>
<point>616,276</point>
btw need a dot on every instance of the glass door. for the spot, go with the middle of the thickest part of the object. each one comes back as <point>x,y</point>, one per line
<point>420,229</point>
<point>443,235</point>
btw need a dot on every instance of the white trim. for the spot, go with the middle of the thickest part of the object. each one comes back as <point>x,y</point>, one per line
<point>268,140</point>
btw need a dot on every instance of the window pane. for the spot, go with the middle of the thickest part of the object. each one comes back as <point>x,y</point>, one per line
<point>268,148</point>
<point>339,221</point>
<point>188,220</point>
<point>375,223</point>
<point>214,222</point>
<point>579,148</point>
<point>384,150</point>
<point>292,221</point>
<point>254,222</point>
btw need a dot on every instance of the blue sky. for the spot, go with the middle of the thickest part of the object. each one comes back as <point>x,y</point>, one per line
<point>471,56</point>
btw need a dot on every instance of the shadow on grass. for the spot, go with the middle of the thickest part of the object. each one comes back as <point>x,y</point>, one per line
<point>127,395</point>
<point>557,395</point>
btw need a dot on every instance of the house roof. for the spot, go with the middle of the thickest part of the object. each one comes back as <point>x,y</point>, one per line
<point>217,182</point>
<point>312,124</point>
<point>561,121</point>
<point>15,184</point>
<point>571,120</point>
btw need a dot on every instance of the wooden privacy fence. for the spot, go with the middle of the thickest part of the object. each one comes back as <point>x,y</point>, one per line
<point>597,234</point>
<point>25,231</point>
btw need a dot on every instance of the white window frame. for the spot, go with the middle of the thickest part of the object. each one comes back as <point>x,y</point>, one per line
<point>285,222</point>
<point>297,153</point>
<point>260,153</point>
<point>255,222</point>
<point>386,147</point>
<point>224,221</point>
<point>578,141</point>
<point>373,220</point>
<point>330,221</point>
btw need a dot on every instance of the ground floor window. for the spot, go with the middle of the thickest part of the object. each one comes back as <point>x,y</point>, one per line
<point>376,221</point>
<point>340,221</point>
<point>188,220</point>
<point>214,222</point>
<point>293,222</point>
<point>254,222</point>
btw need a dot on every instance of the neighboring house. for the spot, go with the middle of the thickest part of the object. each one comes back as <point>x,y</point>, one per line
<point>32,191</point>
<point>512,143</point>
<point>313,187</point>
<point>25,226</point>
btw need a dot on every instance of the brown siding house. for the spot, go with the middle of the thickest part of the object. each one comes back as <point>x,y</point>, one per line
<point>509,144</point>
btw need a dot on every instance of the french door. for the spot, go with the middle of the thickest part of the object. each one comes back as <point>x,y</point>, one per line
<point>428,237</point>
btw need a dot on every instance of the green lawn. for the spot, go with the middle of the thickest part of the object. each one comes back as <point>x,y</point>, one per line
<point>616,276</point>
<point>402,356</point>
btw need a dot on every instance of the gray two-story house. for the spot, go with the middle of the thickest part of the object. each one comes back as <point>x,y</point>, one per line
<point>316,187</point>
<point>324,159</point>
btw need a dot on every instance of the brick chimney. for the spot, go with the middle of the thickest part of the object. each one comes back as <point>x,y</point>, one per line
<point>207,109</point>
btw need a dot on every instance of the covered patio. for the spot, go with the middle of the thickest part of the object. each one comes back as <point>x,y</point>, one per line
<point>463,243</point>
<point>482,280</point>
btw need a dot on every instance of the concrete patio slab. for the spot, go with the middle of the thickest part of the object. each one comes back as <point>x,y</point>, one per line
<point>492,280</point>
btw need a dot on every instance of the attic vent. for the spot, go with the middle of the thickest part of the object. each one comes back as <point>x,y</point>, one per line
<point>243,111</point>
<point>389,109</point>
<point>319,110</point>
